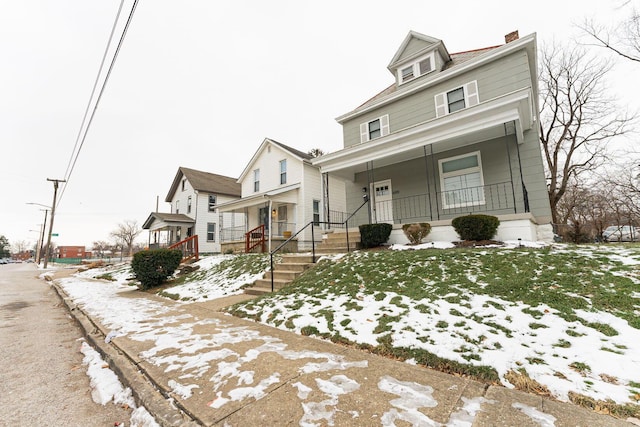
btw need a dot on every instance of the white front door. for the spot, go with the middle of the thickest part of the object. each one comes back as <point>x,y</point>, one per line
<point>384,204</point>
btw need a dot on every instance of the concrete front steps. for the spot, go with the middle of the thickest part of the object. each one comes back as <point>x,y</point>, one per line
<point>335,241</point>
<point>285,272</point>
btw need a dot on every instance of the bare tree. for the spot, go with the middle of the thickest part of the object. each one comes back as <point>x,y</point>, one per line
<point>20,246</point>
<point>623,38</point>
<point>100,247</point>
<point>126,234</point>
<point>578,117</point>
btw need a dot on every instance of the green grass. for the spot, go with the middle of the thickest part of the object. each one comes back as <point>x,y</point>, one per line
<point>566,281</point>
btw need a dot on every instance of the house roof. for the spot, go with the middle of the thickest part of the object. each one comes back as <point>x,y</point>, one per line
<point>167,218</point>
<point>456,60</point>
<point>305,157</point>
<point>206,182</point>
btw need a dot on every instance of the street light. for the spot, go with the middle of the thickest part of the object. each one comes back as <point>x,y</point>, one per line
<point>44,226</point>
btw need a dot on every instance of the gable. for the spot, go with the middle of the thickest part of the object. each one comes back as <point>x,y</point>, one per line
<point>265,146</point>
<point>204,182</point>
<point>419,55</point>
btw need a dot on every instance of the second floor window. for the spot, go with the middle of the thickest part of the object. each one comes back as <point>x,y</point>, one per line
<point>374,129</point>
<point>177,206</point>
<point>189,205</point>
<point>212,202</point>
<point>457,99</point>
<point>283,171</point>
<point>256,180</point>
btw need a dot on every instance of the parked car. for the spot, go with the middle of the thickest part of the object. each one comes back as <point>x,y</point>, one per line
<point>621,233</point>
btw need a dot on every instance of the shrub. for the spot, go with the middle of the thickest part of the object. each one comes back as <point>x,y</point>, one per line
<point>416,232</point>
<point>155,266</point>
<point>372,235</point>
<point>476,227</point>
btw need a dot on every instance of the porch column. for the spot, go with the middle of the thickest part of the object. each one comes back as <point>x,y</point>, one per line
<point>426,174</point>
<point>325,201</point>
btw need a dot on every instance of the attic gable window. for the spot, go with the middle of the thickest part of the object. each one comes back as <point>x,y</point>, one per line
<point>420,67</point>
<point>374,129</point>
<point>457,99</point>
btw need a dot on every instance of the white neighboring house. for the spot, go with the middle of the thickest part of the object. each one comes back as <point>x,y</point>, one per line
<point>282,191</point>
<point>194,197</point>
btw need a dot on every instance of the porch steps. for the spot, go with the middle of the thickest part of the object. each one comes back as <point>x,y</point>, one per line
<point>285,272</point>
<point>335,241</point>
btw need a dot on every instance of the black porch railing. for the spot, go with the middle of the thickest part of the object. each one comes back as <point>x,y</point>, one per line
<point>447,204</point>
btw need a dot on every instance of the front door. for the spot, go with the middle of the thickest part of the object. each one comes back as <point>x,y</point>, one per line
<point>384,203</point>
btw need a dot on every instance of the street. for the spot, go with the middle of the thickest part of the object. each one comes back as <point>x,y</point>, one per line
<point>42,378</point>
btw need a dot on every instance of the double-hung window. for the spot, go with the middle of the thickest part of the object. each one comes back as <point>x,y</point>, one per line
<point>461,181</point>
<point>316,212</point>
<point>375,128</point>
<point>177,206</point>
<point>283,171</point>
<point>419,67</point>
<point>256,180</point>
<point>211,232</point>
<point>212,202</point>
<point>457,99</point>
<point>189,204</point>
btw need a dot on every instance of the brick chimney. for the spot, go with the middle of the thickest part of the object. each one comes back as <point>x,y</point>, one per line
<point>512,36</point>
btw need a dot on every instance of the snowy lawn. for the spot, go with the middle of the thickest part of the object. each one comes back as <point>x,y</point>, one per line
<point>566,317</point>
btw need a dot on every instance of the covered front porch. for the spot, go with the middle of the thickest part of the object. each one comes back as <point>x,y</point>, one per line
<point>270,219</point>
<point>477,160</point>
<point>167,229</point>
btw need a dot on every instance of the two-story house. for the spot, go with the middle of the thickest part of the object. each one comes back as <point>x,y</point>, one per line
<point>194,197</point>
<point>281,193</point>
<point>456,133</point>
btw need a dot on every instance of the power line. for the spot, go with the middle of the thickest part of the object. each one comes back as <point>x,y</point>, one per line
<point>104,84</point>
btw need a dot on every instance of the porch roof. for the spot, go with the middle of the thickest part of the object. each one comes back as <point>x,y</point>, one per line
<point>160,221</point>
<point>282,194</point>
<point>507,114</point>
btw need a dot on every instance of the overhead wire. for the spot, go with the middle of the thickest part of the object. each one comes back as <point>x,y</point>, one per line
<point>73,160</point>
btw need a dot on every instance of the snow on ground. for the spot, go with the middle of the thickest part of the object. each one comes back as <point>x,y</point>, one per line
<point>106,387</point>
<point>564,356</point>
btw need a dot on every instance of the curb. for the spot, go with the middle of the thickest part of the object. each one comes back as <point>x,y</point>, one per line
<point>145,392</point>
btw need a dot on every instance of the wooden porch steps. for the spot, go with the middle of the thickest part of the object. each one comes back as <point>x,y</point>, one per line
<point>285,272</point>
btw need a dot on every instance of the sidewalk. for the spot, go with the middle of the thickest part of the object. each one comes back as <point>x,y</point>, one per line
<point>222,370</point>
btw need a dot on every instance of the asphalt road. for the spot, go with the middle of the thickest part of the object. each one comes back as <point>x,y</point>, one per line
<point>42,379</point>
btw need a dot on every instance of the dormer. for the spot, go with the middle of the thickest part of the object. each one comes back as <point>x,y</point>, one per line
<point>418,56</point>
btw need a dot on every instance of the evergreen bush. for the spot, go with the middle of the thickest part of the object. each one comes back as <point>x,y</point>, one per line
<point>372,235</point>
<point>476,227</point>
<point>416,232</point>
<point>153,267</point>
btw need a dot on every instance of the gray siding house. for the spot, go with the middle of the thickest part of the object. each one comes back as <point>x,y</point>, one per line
<point>456,133</point>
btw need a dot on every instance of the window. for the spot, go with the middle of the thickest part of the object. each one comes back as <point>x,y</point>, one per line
<point>461,181</point>
<point>374,129</point>
<point>256,180</point>
<point>283,171</point>
<point>407,73</point>
<point>316,212</point>
<point>211,232</point>
<point>177,206</point>
<point>189,205</point>
<point>184,183</point>
<point>212,202</point>
<point>457,99</point>
<point>420,67</point>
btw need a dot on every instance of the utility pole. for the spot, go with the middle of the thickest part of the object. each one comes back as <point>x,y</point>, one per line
<point>53,212</point>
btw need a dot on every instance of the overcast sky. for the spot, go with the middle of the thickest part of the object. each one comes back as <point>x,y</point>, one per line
<point>201,83</point>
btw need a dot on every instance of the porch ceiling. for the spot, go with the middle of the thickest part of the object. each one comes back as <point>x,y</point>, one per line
<point>502,116</point>
<point>286,194</point>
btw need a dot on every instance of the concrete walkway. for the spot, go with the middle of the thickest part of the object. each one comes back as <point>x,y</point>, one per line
<point>221,370</point>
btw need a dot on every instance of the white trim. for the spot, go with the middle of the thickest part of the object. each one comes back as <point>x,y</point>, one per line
<point>471,98</point>
<point>527,42</point>
<point>415,67</point>
<point>462,172</point>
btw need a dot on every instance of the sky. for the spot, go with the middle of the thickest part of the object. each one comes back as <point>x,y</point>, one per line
<point>200,84</point>
<point>195,353</point>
